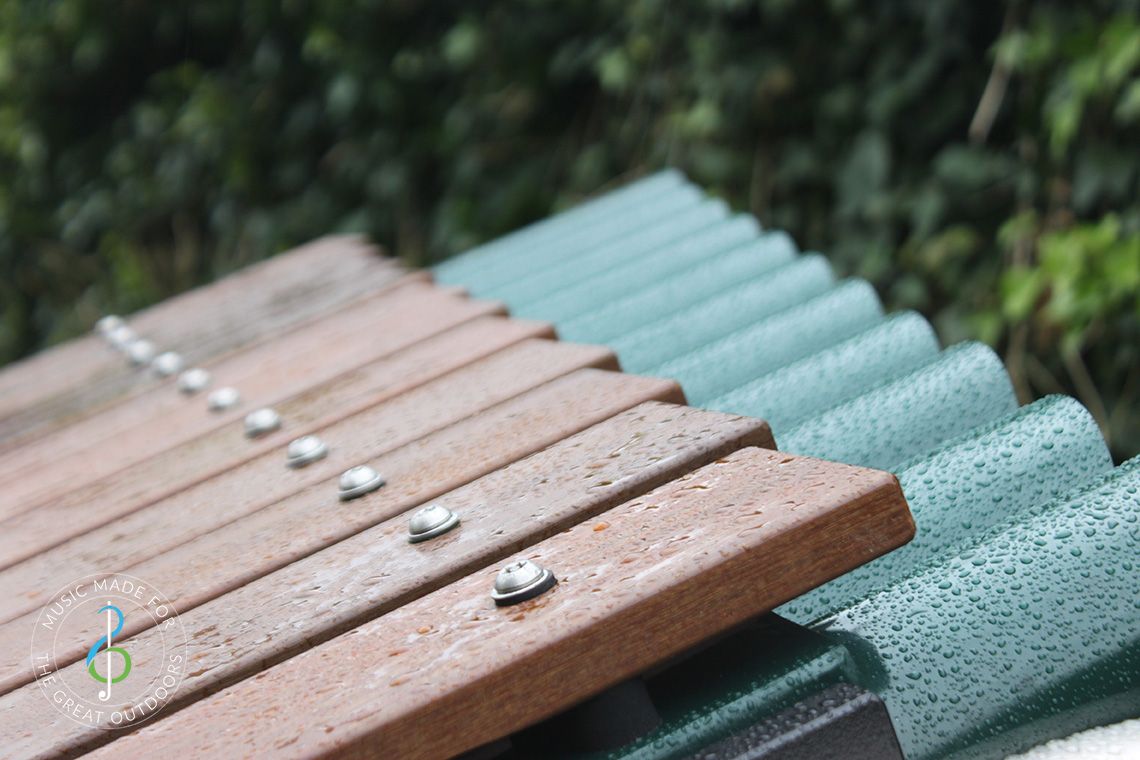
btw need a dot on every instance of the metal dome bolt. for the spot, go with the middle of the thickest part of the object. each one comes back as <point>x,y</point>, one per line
<point>261,422</point>
<point>121,337</point>
<point>140,352</point>
<point>108,324</point>
<point>166,364</point>
<point>429,522</point>
<point>223,399</point>
<point>358,481</point>
<point>304,451</point>
<point>193,380</point>
<point>520,581</point>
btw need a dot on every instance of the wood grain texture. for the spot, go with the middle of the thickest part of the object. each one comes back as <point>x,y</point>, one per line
<point>639,584</point>
<point>270,538</point>
<point>118,539</point>
<point>68,380</point>
<point>265,375</point>
<point>222,450</point>
<point>314,599</point>
<point>227,369</point>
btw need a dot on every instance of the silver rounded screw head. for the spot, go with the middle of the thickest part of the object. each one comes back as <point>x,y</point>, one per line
<point>304,451</point>
<point>166,364</point>
<point>223,399</point>
<point>261,422</point>
<point>429,522</point>
<point>108,324</point>
<point>358,481</point>
<point>122,337</point>
<point>193,380</point>
<point>521,580</point>
<point>140,352</point>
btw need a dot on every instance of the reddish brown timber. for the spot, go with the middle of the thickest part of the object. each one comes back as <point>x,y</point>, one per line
<point>266,374</point>
<point>226,448</point>
<point>451,671</point>
<point>282,614</point>
<point>230,369</point>
<point>254,302</point>
<point>270,538</point>
<point>115,538</point>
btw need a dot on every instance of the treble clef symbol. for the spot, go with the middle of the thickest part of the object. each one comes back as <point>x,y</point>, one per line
<point>105,694</point>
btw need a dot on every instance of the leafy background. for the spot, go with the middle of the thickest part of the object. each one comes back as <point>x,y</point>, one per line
<point>977,161</point>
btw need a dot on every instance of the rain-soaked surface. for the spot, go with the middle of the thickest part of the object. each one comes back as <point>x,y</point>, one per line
<point>966,386</point>
<point>256,544</point>
<point>1003,471</point>
<point>124,540</point>
<point>609,284</point>
<point>724,265</point>
<point>265,375</point>
<point>774,342</point>
<point>648,579</point>
<point>1035,617</point>
<point>790,395</point>
<point>358,579</point>
<point>673,334</point>
<point>1010,619</point>
<point>42,392</point>
<point>224,448</point>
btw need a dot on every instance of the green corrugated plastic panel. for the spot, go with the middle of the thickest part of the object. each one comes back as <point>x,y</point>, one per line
<point>995,478</point>
<point>577,266</point>
<point>535,257</point>
<point>704,322</point>
<point>748,676</point>
<point>995,472</point>
<point>966,387</point>
<point>631,311</point>
<point>630,204</point>
<point>1029,631</point>
<point>741,356</point>
<point>835,375</point>
<point>643,274</point>
<point>608,284</point>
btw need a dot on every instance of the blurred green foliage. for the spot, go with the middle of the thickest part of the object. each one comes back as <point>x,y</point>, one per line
<point>977,161</point>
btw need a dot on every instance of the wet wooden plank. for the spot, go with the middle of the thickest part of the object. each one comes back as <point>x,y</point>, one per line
<point>643,582</point>
<point>116,537</point>
<point>255,302</point>
<point>226,448</point>
<point>265,375</point>
<point>270,538</point>
<point>310,601</point>
<point>215,317</point>
<point>230,369</point>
